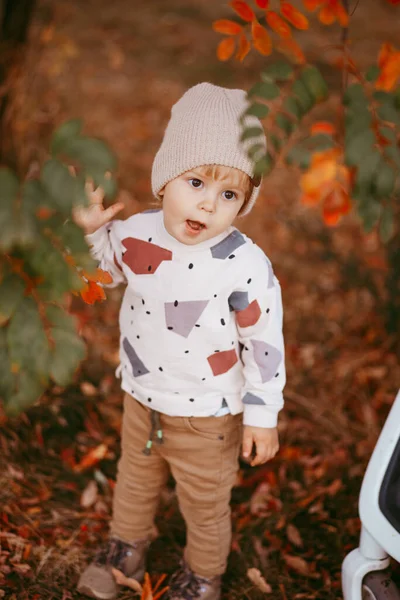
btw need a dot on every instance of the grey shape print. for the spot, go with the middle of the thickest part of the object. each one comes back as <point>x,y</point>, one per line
<point>238,300</point>
<point>270,276</point>
<point>268,359</point>
<point>138,367</point>
<point>224,248</point>
<point>252,399</point>
<point>151,210</point>
<point>181,317</point>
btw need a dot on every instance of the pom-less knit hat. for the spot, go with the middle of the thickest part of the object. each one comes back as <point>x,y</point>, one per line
<point>204,129</point>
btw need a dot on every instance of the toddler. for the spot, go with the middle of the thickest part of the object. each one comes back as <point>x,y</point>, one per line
<point>201,352</point>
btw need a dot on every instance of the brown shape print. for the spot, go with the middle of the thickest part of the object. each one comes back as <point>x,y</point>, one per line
<point>142,257</point>
<point>249,315</point>
<point>221,362</point>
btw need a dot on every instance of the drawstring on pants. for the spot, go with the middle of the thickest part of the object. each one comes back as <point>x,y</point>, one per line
<point>155,428</point>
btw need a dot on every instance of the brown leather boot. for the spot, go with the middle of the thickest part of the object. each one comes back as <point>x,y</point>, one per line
<point>186,585</point>
<point>97,580</point>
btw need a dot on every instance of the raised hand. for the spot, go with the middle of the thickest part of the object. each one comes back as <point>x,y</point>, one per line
<point>94,216</point>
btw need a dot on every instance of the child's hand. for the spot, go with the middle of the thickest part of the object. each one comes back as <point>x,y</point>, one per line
<point>266,442</point>
<point>94,216</point>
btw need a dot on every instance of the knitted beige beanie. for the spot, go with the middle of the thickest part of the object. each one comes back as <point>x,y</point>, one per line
<point>204,129</point>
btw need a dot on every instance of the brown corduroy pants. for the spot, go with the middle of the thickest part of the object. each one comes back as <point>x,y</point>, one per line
<point>202,455</point>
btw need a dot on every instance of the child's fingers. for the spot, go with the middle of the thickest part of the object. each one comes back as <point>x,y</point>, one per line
<point>110,212</point>
<point>247,443</point>
<point>96,196</point>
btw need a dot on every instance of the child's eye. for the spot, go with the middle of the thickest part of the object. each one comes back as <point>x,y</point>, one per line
<point>195,182</point>
<point>230,195</point>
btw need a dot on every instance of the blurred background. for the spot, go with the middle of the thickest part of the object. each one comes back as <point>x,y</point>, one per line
<point>120,66</point>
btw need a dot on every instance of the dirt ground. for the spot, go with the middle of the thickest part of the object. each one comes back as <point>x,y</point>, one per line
<point>120,65</point>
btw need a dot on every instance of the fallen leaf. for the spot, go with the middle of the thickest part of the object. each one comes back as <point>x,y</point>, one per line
<point>293,535</point>
<point>89,494</point>
<point>255,577</point>
<point>121,579</point>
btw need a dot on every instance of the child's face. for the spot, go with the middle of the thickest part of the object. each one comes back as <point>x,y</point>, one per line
<point>197,207</point>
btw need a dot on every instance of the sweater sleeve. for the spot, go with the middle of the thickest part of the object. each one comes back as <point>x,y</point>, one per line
<point>257,303</point>
<point>105,247</point>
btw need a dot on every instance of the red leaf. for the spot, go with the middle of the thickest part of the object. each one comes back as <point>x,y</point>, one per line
<point>277,24</point>
<point>226,26</point>
<point>92,293</point>
<point>226,48</point>
<point>294,16</point>
<point>264,3</point>
<point>244,48</point>
<point>261,40</point>
<point>243,10</point>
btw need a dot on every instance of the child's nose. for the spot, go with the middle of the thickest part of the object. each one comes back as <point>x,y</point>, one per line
<point>208,203</point>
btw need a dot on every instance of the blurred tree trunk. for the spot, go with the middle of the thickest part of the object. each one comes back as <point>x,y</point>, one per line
<point>15,17</point>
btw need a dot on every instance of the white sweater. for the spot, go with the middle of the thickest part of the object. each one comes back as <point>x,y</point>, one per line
<point>199,324</point>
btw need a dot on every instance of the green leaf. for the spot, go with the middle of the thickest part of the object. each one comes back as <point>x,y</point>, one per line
<point>59,277</point>
<point>11,294</point>
<point>303,95</point>
<point>108,183</point>
<point>69,130</point>
<point>357,146</point>
<point>9,188</point>
<point>315,83</point>
<point>366,170</point>
<point>370,211</point>
<point>251,132</point>
<point>73,239</point>
<point>276,141</point>
<point>264,89</point>
<point>258,110</point>
<point>393,153</point>
<point>59,184</point>
<point>355,95</point>
<point>357,122</point>
<point>284,123</point>
<point>255,151</point>
<point>92,154</point>
<point>280,71</point>
<point>389,134</point>
<point>27,341</point>
<point>293,107</point>
<point>68,350</point>
<point>28,389</point>
<point>389,112</point>
<point>372,73</point>
<point>384,180</point>
<point>299,156</point>
<point>386,225</point>
<point>383,97</point>
<point>6,377</point>
<point>264,165</point>
<point>319,142</point>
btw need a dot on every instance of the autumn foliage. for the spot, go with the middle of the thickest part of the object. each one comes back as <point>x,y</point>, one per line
<point>351,162</point>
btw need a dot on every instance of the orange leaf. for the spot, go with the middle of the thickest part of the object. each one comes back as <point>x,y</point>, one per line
<point>69,260</point>
<point>342,15</point>
<point>261,40</point>
<point>243,10</point>
<point>390,73</point>
<point>322,127</point>
<point>277,24</point>
<point>312,5</point>
<point>294,16</point>
<point>336,204</point>
<point>385,52</point>
<point>99,276</point>
<point>91,458</point>
<point>44,213</point>
<point>147,592</point>
<point>226,26</point>
<point>226,48</point>
<point>327,15</point>
<point>244,48</point>
<point>92,292</point>
<point>290,48</point>
<point>262,3</point>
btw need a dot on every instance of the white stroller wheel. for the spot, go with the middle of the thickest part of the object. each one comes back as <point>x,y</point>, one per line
<point>379,586</point>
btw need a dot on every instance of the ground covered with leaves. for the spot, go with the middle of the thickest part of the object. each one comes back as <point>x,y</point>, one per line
<point>295,518</point>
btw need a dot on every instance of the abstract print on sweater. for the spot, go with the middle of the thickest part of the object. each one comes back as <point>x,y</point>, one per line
<point>201,325</point>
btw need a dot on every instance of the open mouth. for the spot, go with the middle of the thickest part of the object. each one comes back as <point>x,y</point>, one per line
<point>195,225</point>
